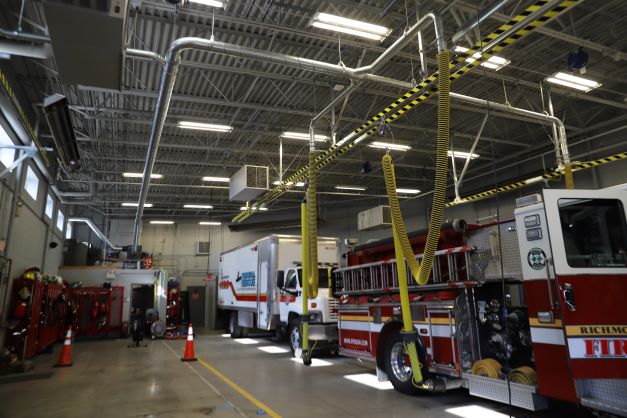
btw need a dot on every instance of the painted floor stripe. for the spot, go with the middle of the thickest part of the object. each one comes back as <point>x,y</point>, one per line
<point>205,381</point>
<point>239,389</point>
<point>231,383</point>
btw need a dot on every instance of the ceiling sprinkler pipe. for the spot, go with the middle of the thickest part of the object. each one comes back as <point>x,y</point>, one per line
<point>486,13</point>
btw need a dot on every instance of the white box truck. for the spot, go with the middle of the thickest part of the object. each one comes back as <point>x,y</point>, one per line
<point>260,288</point>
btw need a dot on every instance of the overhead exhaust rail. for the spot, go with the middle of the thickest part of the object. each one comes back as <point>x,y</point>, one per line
<point>533,17</point>
<point>173,60</point>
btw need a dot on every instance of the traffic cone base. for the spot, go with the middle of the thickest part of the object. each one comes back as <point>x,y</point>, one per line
<point>189,346</point>
<point>65,357</point>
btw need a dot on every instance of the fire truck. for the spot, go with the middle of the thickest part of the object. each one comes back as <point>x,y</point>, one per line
<point>516,311</point>
<point>260,287</point>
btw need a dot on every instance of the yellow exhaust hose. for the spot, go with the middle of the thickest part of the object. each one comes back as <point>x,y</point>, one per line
<point>403,251</point>
<point>305,273</point>
<point>312,220</point>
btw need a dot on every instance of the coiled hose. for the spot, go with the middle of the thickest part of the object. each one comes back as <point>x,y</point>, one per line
<point>402,248</point>
<point>487,367</point>
<point>524,375</point>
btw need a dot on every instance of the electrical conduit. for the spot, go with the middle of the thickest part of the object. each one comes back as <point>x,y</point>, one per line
<point>403,251</point>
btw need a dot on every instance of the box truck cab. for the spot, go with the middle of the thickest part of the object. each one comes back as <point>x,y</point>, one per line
<point>260,288</point>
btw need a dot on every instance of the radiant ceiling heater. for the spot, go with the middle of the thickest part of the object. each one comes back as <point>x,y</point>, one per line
<point>89,49</point>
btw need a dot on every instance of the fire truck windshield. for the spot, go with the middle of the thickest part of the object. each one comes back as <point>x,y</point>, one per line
<point>323,278</point>
<point>595,233</point>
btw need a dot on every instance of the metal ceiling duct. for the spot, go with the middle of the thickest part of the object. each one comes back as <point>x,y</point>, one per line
<point>22,49</point>
<point>173,59</point>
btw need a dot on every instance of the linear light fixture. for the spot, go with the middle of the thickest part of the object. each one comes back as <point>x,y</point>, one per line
<point>407,191</point>
<point>493,63</point>
<point>262,209</point>
<point>289,183</point>
<point>190,206</point>
<point>200,126</point>
<point>218,179</point>
<point>210,223</point>
<point>462,154</point>
<point>303,136</point>
<point>212,3</point>
<point>390,146</point>
<point>162,222</point>
<point>350,26</point>
<point>353,188</point>
<point>569,80</point>
<point>140,175</point>
<point>134,205</point>
<point>533,180</point>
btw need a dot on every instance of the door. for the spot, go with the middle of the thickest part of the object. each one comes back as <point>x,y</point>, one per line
<point>588,233</point>
<point>196,300</point>
<point>288,296</point>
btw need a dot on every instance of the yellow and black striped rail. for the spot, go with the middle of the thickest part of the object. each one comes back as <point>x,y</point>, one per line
<point>549,175</point>
<point>422,92</point>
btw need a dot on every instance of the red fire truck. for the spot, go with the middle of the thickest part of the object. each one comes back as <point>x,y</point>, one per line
<point>515,311</point>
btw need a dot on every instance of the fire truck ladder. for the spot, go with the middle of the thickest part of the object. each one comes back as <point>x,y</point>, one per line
<point>451,267</point>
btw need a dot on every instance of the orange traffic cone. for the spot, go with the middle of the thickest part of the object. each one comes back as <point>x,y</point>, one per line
<point>189,346</point>
<point>65,358</point>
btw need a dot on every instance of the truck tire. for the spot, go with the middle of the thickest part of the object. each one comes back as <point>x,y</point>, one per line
<point>397,364</point>
<point>235,330</point>
<point>293,337</point>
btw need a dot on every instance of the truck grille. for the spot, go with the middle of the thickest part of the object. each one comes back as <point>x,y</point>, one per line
<point>333,309</point>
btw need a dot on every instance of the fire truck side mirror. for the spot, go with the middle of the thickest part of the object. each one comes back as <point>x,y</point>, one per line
<point>280,279</point>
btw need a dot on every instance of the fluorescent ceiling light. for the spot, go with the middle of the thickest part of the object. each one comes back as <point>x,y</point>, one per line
<point>204,126</point>
<point>134,205</point>
<point>493,63</point>
<point>569,80</point>
<point>289,183</point>
<point>462,154</point>
<point>198,206</point>
<point>212,3</point>
<point>246,341</point>
<point>209,223</point>
<point>220,179</point>
<point>355,188</point>
<point>315,362</point>
<point>162,222</point>
<point>369,380</point>
<point>263,209</point>
<point>272,349</point>
<point>303,136</point>
<point>350,26</point>
<point>408,191</point>
<point>140,175</point>
<point>474,411</point>
<point>390,146</point>
<point>534,180</point>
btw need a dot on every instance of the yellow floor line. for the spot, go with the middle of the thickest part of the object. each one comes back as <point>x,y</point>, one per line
<point>239,389</point>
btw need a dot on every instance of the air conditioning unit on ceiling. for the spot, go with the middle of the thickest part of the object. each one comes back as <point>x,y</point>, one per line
<point>248,183</point>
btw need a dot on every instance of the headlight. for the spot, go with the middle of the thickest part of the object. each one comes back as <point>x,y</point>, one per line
<point>315,317</point>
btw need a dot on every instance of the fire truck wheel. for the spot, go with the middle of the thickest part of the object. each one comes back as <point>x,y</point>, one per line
<point>234,329</point>
<point>293,337</point>
<point>397,364</point>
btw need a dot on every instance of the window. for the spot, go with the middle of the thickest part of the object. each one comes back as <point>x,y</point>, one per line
<point>68,231</point>
<point>60,220</point>
<point>323,277</point>
<point>49,206</point>
<point>595,233</point>
<point>7,155</point>
<point>31,186</point>
<point>290,280</point>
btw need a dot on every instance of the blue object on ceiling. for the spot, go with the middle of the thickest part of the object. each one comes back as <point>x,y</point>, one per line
<point>577,59</point>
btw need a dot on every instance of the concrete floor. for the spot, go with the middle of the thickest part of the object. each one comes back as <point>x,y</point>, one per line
<point>110,380</point>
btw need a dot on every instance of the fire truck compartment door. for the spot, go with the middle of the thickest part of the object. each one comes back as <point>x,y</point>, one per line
<point>588,233</point>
